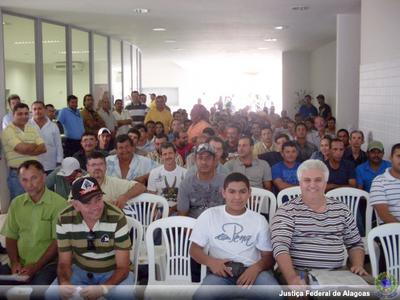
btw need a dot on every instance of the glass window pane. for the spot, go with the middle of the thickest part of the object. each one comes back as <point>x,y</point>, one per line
<point>80,63</point>
<point>116,70</point>
<point>19,54</point>
<point>100,67</point>
<point>127,71</point>
<point>54,65</point>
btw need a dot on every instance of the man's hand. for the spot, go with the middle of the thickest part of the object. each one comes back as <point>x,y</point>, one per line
<point>92,292</point>
<point>29,270</point>
<point>249,276</point>
<point>16,268</point>
<point>67,291</point>
<point>359,270</point>
<point>120,202</point>
<point>219,268</point>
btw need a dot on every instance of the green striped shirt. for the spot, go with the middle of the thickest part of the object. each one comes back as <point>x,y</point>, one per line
<point>111,232</point>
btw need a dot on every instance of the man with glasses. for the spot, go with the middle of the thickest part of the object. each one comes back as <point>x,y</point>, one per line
<point>93,247</point>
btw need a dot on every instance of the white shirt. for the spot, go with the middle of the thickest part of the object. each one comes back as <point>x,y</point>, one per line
<point>237,238</point>
<point>52,139</point>
<point>139,166</point>
<point>166,183</point>
<point>124,115</point>
<point>7,119</point>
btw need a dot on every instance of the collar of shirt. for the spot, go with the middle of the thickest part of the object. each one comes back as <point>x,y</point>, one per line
<point>44,199</point>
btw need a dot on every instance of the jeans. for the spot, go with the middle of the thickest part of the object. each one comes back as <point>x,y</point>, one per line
<point>265,287</point>
<point>14,186</point>
<point>124,290</point>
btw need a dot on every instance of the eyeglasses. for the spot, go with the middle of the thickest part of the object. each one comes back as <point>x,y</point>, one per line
<point>91,236</point>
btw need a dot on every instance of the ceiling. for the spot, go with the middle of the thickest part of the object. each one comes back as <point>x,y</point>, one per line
<point>198,27</point>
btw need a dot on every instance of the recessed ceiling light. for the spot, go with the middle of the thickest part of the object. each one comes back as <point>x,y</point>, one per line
<point>159,29</point>
<point>169,41</point>
<point>280,27</point>
<point>141,11</point>
<point>270,40</point>
<point>300,8</point>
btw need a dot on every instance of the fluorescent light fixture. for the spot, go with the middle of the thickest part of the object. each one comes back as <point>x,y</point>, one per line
<point>75,52</point>
<point>169,41</point>
<point>141,11</point>
<point>159,29</point>
<point>24,43</point>
<point>270,40</point>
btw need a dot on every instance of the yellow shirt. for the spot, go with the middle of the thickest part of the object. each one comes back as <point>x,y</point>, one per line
<point>12,136</point>
<point>164,117</point>
<point>261,148</point>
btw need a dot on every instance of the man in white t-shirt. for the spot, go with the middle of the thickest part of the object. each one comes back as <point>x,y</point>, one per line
<point>238,243</point>
<point>166,179</point>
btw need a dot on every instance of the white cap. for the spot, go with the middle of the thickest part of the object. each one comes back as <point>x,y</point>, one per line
<point>103,130</point>
<point>69,165</point>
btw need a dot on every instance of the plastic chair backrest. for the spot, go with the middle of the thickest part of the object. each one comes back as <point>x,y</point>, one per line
<point>262,201</point>
<point>389,237</point>
<point>175,234</point>
<point>136,233</point>
<point>290,193</point>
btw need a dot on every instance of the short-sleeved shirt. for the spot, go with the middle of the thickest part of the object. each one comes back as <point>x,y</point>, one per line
<point>257,173</point>
<point>385,189</point>
<point>348,155</point>
<point>282,171</point>
<point>306,151</point>
<point>33,225</point>
<point>139,166</point>
<point>237,238</point>
<point>365,174</point>
<point>164,117</point>
<point>59,184</point>
<point>109,119</point>
<point>137,112</point>
<point>271,158</point>
<point>72,122</point>
<point>343,174</point>
<point>314,240</point>
<point>166,183</point>
<point>260,148</point>
<point>12,136</point>
<point>114,187</point>
<point>111,233</point>
<point>124,115</point>
<point>196,195</point>
<point>308,111</point>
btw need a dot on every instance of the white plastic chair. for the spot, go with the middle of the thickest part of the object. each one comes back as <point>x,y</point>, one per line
<point>146,208</point>
<point>351,197</point>
<point>389,237</point>
<point>175,233</point>
<point>291,193</point>
<point>137,238</point>
<point>262,201</point>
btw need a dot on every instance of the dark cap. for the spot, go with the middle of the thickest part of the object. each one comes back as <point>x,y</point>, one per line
<point>85,188</point>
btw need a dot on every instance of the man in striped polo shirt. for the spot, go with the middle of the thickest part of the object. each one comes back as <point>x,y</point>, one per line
<point>311,231</point>
<point>385,190</point>
<point>93,247</point>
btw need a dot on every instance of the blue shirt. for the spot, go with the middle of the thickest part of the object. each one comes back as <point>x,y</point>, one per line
<point>343,174</point>
<point>72,123</point>
<point>289,175</point>
<point>365,174</point>
<point>307,112</point>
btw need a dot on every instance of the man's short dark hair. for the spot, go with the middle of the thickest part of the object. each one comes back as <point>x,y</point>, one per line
<point>96,155</point>
<point>300,124</point>
<point>236,177</point>
<point>281,135</point>
<point>140,126</point>
<point>49,105</point>
<point>150,122</point>
<point>38,102</point>
<point>332,118</point>
<point>320,96</point>
<point>247,137</point>
<point>71,97</point>
<point>209,131</point>
<point>335,140</point>
<point>394,148</point>
<point>31,163</point>
<point>122,138</point>
<point>343,130</point>
<point>11,97</point>
<point>20,105</point>
<point>84,98</point>
<point>357,131</point>
<point>263,127</point>
<point>87,133</point>
<point>288,144</point>
<point>118,100</point>
<point>158,122</point>
<point>167,145</point>
<point>135,131</point>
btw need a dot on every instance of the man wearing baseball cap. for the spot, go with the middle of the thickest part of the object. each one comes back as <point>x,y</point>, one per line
<point>374,166</point>
<point>202,189</point>
<point>93,247</point>
<point>105,140</point>
<point>61,179</point>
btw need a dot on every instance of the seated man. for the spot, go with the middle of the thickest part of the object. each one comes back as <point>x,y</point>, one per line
<point>89,144</point>
<point>310,231</point>
<point>284,172</point>
<point>156,154</point>
<point>233,235</point>
<point>61,179</point>
<point>106,142</point>
<point>30,228</point>
<point>274,157</point>
<point>93,247</point>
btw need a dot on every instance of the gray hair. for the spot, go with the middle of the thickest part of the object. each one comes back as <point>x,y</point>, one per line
<point>311,164</point>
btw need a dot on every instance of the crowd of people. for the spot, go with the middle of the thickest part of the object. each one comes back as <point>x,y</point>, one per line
<point>71,172</point>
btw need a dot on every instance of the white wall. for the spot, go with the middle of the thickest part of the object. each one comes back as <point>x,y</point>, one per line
<point>295,76</point>
<point>380,71</point>
<point>20,79</point>
<point>323,73</point>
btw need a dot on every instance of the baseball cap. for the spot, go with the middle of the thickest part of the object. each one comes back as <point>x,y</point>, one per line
<point>103,130</point>
<point>85,188</point>
<point>68,165</point>
<point>205,148</point>
<point>375,145</point>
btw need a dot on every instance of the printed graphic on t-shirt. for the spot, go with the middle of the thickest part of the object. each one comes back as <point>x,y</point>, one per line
<point>231,232</point>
